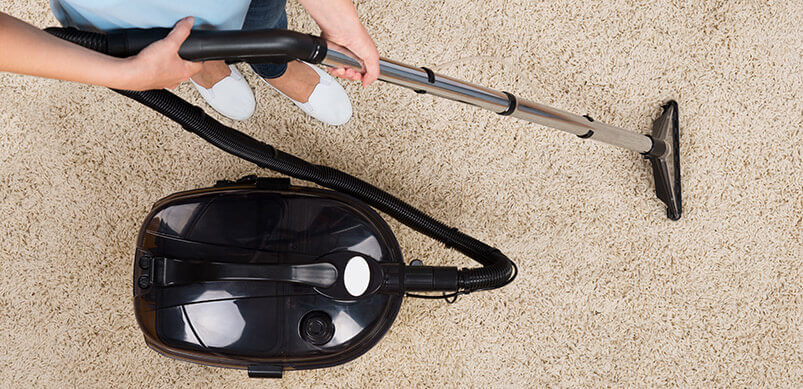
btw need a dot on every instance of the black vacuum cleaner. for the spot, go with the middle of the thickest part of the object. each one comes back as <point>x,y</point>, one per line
<point>262,275</point>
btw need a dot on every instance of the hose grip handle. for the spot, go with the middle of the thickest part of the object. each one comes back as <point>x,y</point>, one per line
<point>255,46</point>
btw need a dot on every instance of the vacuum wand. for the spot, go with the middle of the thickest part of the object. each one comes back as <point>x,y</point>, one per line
<point>424,80</point>
<point>661,148</point>
<point>281,45</point>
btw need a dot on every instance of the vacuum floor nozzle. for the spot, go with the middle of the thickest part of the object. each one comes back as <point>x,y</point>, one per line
<point>665,159</point>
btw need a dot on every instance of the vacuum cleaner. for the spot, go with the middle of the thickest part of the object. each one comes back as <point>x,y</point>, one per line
<point>263,275</point>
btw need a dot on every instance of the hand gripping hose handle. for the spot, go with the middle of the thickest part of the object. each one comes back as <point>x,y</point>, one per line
<point>497,269</point>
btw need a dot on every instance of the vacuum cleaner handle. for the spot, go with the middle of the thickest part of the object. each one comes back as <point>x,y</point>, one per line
<point>173,272</point>
<point>258,46</point>
<point>340,275</point>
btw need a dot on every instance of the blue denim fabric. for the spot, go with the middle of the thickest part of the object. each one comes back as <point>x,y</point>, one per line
<point>263,14</point>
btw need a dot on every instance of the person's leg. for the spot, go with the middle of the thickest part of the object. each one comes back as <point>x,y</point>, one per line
<point>294,79</point>
<point>211,73</point>
<point>262,15</point>
<point>225,89</point>
<point>311,89</point>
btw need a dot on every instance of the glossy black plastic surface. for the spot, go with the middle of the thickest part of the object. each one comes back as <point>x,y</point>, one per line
<point>262,323</point>
<point>665,158</point>
<point>255,46</point>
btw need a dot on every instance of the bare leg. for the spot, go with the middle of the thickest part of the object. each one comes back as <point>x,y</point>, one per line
<point>297,82</point>
<point>211,73</point>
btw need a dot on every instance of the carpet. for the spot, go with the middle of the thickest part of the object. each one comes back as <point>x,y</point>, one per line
<point>611,293</point>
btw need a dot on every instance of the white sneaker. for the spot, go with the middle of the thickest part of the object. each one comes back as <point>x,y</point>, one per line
<point>328,102</point>
<point>231,96</point>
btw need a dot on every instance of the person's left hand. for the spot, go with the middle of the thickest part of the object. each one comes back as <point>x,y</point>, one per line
<point>356,39</point>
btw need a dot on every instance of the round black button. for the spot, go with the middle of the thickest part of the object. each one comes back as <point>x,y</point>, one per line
<point>145,262</point>
<point>317,328</point>
<point>144,282</point>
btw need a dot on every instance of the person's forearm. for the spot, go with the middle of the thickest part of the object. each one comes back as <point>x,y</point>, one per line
<point>333,16</point>
<point>26,49</point>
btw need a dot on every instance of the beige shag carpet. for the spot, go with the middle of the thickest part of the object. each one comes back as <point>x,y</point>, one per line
<point>611,293</point>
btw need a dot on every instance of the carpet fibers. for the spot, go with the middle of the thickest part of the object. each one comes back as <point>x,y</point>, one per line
<point>611,293</point>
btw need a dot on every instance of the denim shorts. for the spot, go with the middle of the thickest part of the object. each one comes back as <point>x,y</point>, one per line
<point>265,14</point>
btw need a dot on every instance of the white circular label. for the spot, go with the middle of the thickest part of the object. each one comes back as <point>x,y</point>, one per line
<point>357,276</point>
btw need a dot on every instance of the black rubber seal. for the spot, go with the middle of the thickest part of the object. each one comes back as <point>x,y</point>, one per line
<point>590,132</point>
<point>430,79</point>
<point>430,75</point>
<point>648,153</point>
<point>586,135</point>
<point>512,104</point>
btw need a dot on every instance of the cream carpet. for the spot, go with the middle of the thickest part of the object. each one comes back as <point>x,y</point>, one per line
<point>611,293</point>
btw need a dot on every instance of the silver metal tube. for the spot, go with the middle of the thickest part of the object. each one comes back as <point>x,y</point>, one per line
<point>418,79</point>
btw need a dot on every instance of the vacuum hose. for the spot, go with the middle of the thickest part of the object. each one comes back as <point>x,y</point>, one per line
<point>497,269</point>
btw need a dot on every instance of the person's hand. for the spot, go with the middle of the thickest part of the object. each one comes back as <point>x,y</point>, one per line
<point>159,65</point>
<point>355,38</point>
<point>341,25</point>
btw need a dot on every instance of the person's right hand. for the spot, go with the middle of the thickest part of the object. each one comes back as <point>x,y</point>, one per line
<point>158,65</point>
